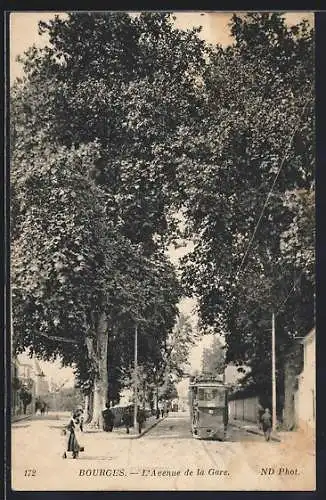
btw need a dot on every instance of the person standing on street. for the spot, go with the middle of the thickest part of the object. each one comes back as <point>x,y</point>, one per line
<point>161,408</point>
<point>127,419</point>
<point>108,418</point>
<point>266,420</point>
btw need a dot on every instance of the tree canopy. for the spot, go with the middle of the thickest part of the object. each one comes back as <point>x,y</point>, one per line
<point>119,124</point>
<point>213,358</point>
<point>249,193</point>
<point>91,186</point>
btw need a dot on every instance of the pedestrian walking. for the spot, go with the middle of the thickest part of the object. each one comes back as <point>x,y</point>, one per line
<point>140,419</point>
<point>43,406</point>
<point>266,420</point>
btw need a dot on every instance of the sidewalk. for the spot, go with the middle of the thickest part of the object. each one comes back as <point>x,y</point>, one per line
<point>298,439</point>
<point>52,415</point>
<point>18,418</point>
<point>253,428</point>
<point>133,433</point>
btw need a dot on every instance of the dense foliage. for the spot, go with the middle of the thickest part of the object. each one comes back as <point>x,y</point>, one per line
<point>91,187</point>
<point>249,194</point>
<point>213,359</point>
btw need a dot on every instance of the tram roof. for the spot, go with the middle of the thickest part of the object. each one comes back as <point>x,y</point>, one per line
<point>207,378</point>
<point>207,383</point>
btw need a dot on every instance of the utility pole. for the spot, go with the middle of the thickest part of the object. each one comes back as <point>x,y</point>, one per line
<point>136,376</point>
<point>273,375</point>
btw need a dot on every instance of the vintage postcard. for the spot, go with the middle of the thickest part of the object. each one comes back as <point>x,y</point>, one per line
<point>162,300</point>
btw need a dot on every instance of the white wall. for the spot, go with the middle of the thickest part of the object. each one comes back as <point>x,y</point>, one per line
<point>306,394</point>
<point>244,409</point>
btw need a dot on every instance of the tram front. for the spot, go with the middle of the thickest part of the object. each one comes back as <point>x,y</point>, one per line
<point>209,410</point>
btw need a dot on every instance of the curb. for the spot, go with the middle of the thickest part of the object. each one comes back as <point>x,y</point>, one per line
<point>257,432</point>
<point>124,435</point>
<point>147,429</point>
<point>15,420</point>
<point>35,418</point>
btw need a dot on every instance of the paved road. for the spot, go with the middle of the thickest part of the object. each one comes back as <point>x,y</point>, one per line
<point>177,427</point>
<point>166,458</point>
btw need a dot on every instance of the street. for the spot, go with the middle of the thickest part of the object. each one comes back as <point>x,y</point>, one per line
<point>165,458</point>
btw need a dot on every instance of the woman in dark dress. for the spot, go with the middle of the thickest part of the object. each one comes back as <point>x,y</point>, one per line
<point>72,443</point>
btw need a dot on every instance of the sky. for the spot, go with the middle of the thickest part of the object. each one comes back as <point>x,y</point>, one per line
<point>24,29</point>
<point>215,29</point>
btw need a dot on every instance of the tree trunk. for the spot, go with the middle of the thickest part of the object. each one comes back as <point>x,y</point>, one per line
<point>144,395</point>
<point>99,355</point>
<point>86,412</point>
<point>90,405</point>
<point>98,405</point>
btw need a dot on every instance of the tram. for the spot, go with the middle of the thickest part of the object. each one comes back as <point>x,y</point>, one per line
<point>208,401</point>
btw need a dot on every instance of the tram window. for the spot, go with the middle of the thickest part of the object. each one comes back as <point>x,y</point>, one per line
<point>211,395</point>
<point>201,394</point>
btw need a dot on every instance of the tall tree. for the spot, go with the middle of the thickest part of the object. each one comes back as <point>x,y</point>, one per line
<point>129,83</point>
<point>256,145</point>
<point>91,185</point>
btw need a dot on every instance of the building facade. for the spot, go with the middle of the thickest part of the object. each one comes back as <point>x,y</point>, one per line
<point>26,374</point>
<point>22,378</point>
<point>305,397</point>
<point>299,385</point>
